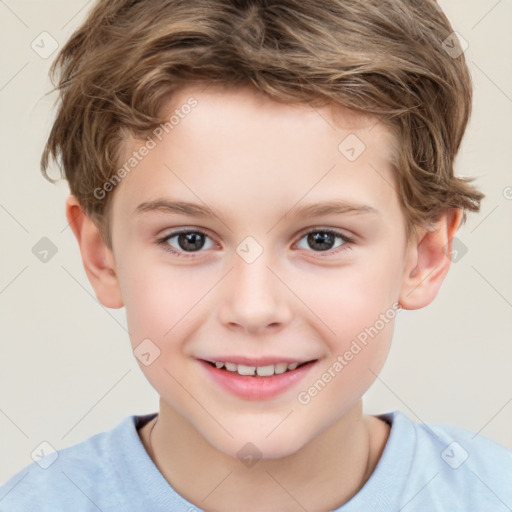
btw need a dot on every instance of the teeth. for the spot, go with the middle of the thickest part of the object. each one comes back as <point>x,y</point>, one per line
<point>281,368</point>
<point>262,371</point>
<point>246,370</point>
<point>265,371</point>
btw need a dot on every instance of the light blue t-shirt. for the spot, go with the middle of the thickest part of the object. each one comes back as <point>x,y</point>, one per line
<point>423,468</point>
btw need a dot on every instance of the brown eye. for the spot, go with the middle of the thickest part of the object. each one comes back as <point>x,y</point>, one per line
<point>323,240</point>
<point>190,241</point>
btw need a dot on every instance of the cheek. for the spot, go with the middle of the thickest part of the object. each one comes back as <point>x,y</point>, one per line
<point>348,299</point>
<point>348,373</point>
<point>159,298</point>
<point>159,303</point>
<point>149,309</point>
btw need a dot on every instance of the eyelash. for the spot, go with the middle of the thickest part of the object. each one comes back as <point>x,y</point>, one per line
<point>181,254</point>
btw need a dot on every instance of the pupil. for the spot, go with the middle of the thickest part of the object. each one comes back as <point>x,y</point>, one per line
<point>316,240</point>
<point>190,241</point>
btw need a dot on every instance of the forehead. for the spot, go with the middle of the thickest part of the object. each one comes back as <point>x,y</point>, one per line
<point>256,108</point>
<point>240,144</point>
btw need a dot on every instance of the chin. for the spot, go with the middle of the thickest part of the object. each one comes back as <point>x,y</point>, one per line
<point>252,442</point>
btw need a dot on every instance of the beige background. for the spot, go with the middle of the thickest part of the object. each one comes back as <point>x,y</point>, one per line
<point>66,368</point>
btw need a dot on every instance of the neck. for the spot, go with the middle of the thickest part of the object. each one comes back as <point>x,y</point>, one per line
<point>348,449</point>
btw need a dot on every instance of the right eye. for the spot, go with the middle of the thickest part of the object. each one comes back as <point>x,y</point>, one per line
<point>187,241</point>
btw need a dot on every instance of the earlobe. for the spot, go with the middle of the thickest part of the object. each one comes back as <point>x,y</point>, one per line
<point>428,261</point>
<point>97,258</point>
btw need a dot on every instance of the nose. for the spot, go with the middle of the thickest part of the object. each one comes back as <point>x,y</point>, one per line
<point>254,298</point>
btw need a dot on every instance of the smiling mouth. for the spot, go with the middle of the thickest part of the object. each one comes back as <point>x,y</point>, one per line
<point>258,371</point>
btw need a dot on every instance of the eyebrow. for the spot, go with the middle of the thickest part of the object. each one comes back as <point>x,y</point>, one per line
<point>197,210</point>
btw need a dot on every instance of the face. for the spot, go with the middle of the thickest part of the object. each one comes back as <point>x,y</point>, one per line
<point>263,278</point>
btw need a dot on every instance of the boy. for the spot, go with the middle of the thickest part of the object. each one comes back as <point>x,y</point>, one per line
<point>304,150</point>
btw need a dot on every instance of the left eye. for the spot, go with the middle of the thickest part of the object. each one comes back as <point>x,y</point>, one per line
<point>321,240</point>
<point>324,239</point>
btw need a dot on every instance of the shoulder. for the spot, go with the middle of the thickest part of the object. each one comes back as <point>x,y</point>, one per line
<point>454,467</point>
<point>78,477</point>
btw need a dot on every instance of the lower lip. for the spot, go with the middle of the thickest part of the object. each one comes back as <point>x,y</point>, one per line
<point>256,388</point>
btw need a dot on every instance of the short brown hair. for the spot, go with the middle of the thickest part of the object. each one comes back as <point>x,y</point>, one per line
<point>385,58</point>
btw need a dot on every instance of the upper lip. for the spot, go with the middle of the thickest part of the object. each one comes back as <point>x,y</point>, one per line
<point>256,361</point>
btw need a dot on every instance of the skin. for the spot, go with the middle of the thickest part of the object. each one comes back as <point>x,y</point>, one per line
<point>253,160</point>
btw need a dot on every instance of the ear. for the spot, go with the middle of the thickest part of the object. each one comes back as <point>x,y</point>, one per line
<point>428,261</point>
<point>97,258</point>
